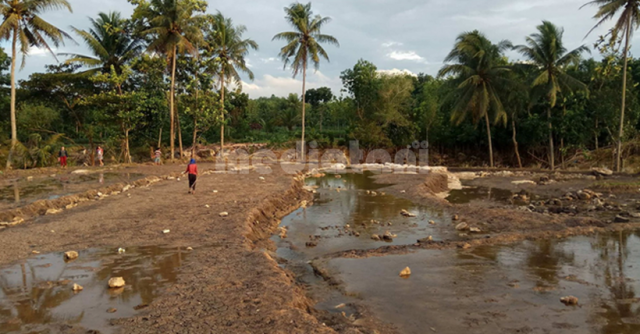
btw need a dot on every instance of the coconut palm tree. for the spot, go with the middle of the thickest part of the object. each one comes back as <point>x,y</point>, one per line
<point>627,22</point>
<point>304,45</point>
<point>547,59</point>
<point>173,30</point>
<point>109,42</point>
<point>481,76</point>
<point>226,44</point>
<point>23,25</point>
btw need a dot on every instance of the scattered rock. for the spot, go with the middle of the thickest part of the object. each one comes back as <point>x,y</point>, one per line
<point>524,182</point>
<point>474,230</point>
<point>166,231</point>
<point>112,310</point>
<point>53,211</point>
<point>431,222</point>
<point>465,246</point>
<point>387,236</point>
<point>462,227</point>
<point>35,252</point>
<point>121,250</point>
<point>76,287</point>
<point>406,213</point>
<point>429,238</point>
<point>602,171</point>
<point>569,300</point>
<point>405,273</point>
<point>116,282</point>
<point>207,206</point>
<point>620,219</point>
<point>311,244</point>
<point>375,237</point>
<point>70,255</point>
<point>455,218</point>
<point>224,214</point>
<point>338,176</point>
<point>343,305</point>
<point>261,178</point>
<point>583,196</point>
<point>189,248</point>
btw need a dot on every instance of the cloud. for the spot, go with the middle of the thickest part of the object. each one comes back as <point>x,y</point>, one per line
<point>396,71</point>
<point>406,55</point>
<point>390,44</point>
<point>269,85</point>
<point>489,20</point>
<point>41,52</point>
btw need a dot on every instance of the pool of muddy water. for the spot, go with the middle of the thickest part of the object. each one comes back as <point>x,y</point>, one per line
<point>18,192</point>
<point>38,291</point>
<point>505,289</point>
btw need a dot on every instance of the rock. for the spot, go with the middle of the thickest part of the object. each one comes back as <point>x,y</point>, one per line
<point>166,231</point>
<point>634,215</point>
<point>35,252</point>
<point>338,176</point>
<point>80,171</point>
<point>303,204</point>
<point>261,178</point>
<point>53,211</point>
<point>406,213</point>
<point>116,282</point>
<point>431,222</point>
<point>343,305</point>
<point>465,246</point>
<point>406,272</point>
<point>524,182</point>
<point>474,230</point>
<point>584,196</point>
<point>375,237</point>
<point>602,171</point>
<point>620,219</point>
<point>455,218</point>
<point>207,206</point>
<point>224,214</point>
<point>311,244</point>
<point>462,227</point>
<point>76,287</point>
<point>70,255</point>
<point>112,310</point>
<point>569,300</point>
<point>189,248</point>
<point>121,250</point>
<point>429,238</point>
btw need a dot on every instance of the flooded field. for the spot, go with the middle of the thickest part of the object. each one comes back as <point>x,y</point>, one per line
<point>38,291</point>
<point>22,191</point>
<point>505,289</point>
<point>489,289</point>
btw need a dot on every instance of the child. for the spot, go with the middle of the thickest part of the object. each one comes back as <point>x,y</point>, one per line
<point>192,169</point>
<point>62,157</point>
<point>100,154</point>
<point>158,156</point>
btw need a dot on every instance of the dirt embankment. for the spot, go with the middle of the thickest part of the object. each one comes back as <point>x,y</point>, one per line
<point>228,284</point>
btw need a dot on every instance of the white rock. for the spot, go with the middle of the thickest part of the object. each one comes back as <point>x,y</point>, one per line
<point>70,255</point>
<point>406,272</point>
<point>166,231</point>
<point>224,214</point>
<point>77,287</point>
<point>116,282</point>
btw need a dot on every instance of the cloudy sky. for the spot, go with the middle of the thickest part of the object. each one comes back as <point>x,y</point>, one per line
<point>406,35</point>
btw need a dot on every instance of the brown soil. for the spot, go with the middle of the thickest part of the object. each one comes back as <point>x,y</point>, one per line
<point>227,285</point>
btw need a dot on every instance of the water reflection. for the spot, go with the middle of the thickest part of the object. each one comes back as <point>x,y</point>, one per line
<point>38,291</point>
<point>506,288</point>
<point>22,191</point>
<point>469,194</point>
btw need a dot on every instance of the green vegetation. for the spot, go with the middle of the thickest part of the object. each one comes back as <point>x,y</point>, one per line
<point>172,66</point>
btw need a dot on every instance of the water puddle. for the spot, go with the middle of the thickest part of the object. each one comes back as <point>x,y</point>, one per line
<point>38,291</point>
<point>505,289</point>
<point>346,214</point>
<point>22,191</point>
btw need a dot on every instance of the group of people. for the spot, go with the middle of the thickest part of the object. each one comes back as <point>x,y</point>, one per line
<point>192,168</point>
<point>63,156</point>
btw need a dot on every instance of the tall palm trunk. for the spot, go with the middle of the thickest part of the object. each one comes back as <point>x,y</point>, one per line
<point>624,96</point>
<point>222,112</point>
<point>486,118</point>
<point>304,82</point>
<point>552,157</point>
<point>195,126</point>
<point>515,142</point>
<point>14,129</point>
<point>171,103</point>
<point>179,134</point>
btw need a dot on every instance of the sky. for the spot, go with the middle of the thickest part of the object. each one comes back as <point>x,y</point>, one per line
<point>396,35</point>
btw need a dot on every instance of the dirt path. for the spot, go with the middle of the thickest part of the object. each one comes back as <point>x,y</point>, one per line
<point>226,285</point>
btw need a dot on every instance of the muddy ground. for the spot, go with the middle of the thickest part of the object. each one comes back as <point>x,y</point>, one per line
<point>231,282</point>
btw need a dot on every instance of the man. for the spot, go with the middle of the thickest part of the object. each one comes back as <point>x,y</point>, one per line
<point>100,155</point>
<point>62,157</point>
<point>192,170</point>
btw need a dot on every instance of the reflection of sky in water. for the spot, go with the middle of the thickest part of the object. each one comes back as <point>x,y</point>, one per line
<point>496,289</point>
<point>22,191</point>
<point>34,292</point>
<point>353,206</point>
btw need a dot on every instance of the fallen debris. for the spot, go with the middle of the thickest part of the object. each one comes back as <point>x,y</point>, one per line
<point>405,273</point>
<point>116,282</point>
<point>77,287</point>
<point>406,213</point>
<point>70,255</point>
<point>569,300</point>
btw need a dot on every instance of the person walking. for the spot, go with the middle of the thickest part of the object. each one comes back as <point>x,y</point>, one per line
<point>62,157</point>
<point>158,156</point>
<point>100,155</point>
<point>192,170</point>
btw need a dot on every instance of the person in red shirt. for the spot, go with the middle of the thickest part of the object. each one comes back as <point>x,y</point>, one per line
<point>192,170</point>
